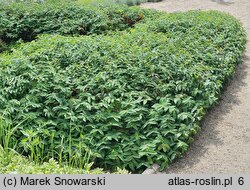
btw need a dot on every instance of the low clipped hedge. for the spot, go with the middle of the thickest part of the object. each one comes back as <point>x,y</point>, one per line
<point>129,98</point>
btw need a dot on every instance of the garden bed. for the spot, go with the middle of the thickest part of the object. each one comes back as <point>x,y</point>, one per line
<point>118,86</point>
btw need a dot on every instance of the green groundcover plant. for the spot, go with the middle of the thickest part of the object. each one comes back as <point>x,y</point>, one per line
<point>128,2</point>
<point>127,92</point>
<point>26,20</point>
<point>18,164</point>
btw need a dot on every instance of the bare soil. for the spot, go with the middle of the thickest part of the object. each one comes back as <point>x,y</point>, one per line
<point>223,145</point>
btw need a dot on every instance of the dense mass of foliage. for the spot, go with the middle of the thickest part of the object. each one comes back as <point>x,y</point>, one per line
<point>22,21</point>
<point>129,98</point>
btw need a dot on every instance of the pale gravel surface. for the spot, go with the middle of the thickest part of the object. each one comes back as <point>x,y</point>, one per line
<point>223,145</point>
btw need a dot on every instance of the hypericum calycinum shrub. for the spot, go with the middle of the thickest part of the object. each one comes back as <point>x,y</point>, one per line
<point>130,99</point>
<point>24,21</point>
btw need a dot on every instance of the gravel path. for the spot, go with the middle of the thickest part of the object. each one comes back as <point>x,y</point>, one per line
<point>223,145</point>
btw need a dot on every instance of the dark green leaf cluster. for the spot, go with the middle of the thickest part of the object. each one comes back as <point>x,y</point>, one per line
<point>130,99</point>
<point>25,21</point>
